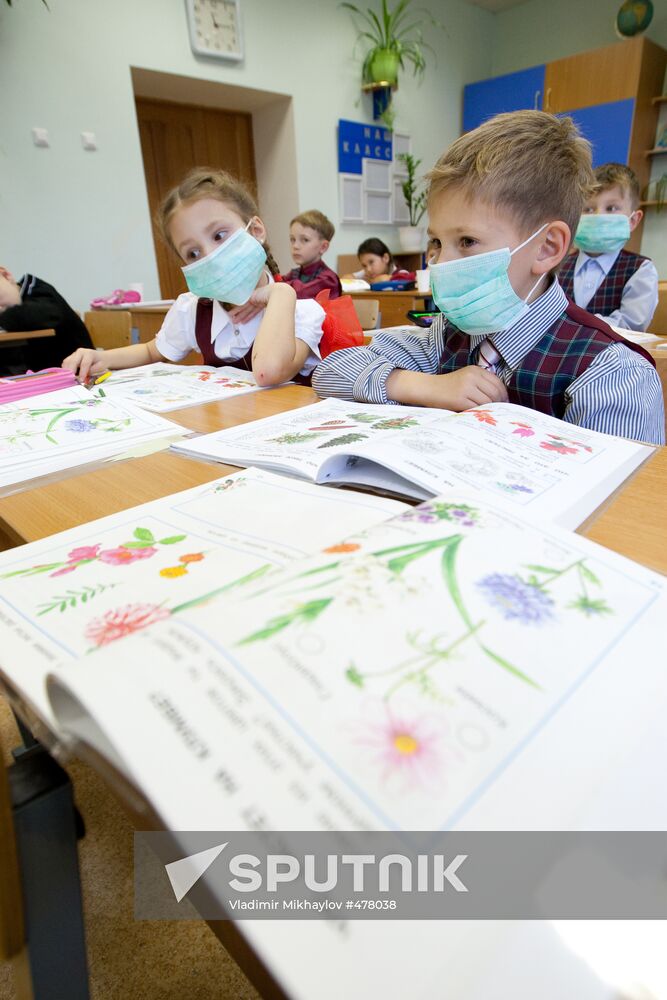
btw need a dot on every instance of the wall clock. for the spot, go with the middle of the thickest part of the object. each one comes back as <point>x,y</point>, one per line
<point>215,28</point>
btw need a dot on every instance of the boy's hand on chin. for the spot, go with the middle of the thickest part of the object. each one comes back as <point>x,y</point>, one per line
<point>254,305</point>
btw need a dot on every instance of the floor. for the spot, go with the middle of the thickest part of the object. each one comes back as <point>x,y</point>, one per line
<point>128,959</point>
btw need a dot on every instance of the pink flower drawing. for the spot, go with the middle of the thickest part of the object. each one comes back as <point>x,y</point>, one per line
<point>123,555</point>
<point>84,552</point>
<point>123,621</point>
<point>523,431</point>
<point>562,449</point>
<point>405,745</point>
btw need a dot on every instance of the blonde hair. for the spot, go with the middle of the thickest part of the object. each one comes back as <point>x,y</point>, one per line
<point>611,175</point>
<point>314,219</point>
<point>202,182</point>
<point>531,164</point>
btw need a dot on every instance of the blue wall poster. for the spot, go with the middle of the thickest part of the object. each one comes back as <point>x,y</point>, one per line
<point>357,142</point>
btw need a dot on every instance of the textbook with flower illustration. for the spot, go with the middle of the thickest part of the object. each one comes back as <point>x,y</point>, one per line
<point>70,427</point>
<point>161,387</point>
<point>74,592</point>
<point>507,453</point>
<point>455,666</point>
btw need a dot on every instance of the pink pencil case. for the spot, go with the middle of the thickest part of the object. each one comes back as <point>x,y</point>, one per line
<point>13,387</point>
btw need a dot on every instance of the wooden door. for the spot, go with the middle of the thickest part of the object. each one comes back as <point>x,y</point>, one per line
<point>177,137</point>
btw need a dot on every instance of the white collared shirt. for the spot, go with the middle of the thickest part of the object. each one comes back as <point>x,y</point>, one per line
<point>640,295</point>
<point>231,341</point>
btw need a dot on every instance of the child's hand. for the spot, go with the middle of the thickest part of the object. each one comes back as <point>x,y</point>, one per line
<point>255,304</point>
<point>10,294</point>
<point>471,386</point>
<point>85,362</point>
<point>459,390</point>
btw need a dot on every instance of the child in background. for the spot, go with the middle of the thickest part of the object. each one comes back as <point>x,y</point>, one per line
<point>33,304</point>
<point>617,285</point>
<point>310,235</point>
<point>234,313</point>
<point>377,263</point>
<point>503,201</point>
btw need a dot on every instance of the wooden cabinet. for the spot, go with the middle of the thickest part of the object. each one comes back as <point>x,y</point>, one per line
<point>608,92</point>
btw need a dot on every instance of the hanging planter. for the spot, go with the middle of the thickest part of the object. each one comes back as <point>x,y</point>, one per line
<point>395,41</point>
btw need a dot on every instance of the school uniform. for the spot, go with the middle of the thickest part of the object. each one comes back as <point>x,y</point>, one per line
<point>204,325</point>
<point>312,279</point>
<point>557,359</point>
<point>44,308</point>
<point>621,287</point>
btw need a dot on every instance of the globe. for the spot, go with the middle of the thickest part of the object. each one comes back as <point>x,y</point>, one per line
<point>634,16</point>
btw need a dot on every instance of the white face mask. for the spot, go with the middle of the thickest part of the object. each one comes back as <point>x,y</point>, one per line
<point>230,272</point>
<point>476,294</point>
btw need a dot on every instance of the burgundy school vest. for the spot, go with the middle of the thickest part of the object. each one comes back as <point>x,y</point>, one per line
<point>608,296</point>
<point>563,353</point>
<point>203,320</point>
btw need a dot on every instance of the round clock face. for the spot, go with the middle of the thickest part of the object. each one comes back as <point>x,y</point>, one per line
<point>215,28</point>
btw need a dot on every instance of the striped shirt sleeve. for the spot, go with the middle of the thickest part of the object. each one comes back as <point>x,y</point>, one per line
<point>619,393</point>
<point>360,373</point>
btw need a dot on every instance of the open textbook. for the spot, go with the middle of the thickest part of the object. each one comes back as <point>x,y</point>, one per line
<point>59,430</point>
<point>454,667</point>
<point>71,593</point>
<point>505,452</point>
<point>161,387</point>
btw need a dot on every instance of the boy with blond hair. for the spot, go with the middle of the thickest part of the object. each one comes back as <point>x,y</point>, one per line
<point>619,286</point>
<point>503,201</point>
<point>310,234</point>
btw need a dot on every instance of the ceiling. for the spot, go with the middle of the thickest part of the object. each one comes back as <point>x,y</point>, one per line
<point>496,5</point>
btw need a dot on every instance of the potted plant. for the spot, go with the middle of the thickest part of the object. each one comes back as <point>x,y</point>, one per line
<point>412,238</point>
<point>395,40</point>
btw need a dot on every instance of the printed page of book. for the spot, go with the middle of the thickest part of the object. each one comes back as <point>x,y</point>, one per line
<point>71,427</point>
<point>443,670</point>
<point>299,442</point>
<point>518,456</point>
<point>70,594</point>
<point>162,387</point>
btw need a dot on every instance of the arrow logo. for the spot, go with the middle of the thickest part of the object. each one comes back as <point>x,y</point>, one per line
<point>185,872</point>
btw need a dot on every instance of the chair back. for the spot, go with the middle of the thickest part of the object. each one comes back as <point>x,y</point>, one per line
<point>367,311</point>
<point>109,328</point>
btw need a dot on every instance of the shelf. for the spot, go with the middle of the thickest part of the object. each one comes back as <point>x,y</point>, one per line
<point>650,204</point>
<point>382,85</point>
<point>660,100</point>
<point>656,152</point>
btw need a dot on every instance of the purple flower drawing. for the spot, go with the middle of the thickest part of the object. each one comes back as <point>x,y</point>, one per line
<point>515,599</point>
<point>80,426</point>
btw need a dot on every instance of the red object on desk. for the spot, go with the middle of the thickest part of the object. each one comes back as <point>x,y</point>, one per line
<point>13,387</point>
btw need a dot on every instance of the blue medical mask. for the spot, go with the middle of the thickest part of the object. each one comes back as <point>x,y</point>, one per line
<point>602,233</point>
<point>476,294</point>
<point>230,272</point>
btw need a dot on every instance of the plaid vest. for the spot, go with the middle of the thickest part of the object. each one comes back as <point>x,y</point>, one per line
<point>608,296</point>
<point>563,353</point>
<point>203,320</point>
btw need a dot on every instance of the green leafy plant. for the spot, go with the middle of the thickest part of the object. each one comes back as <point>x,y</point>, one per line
<point>396,40</point>
<point>416,201</point>
<point>657,191</point>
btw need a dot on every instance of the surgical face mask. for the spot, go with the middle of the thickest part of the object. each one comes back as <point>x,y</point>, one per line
<point>230,272</point>
<point>476,294</point>
<point>602,233</point>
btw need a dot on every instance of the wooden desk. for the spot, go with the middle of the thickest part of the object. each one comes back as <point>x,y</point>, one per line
<point>7,337</point>
<point>631,522</point>
<point>394,306</point>
<point>33,514</point>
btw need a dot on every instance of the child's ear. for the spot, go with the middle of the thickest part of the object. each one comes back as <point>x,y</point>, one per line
<point>636,218</point>
<point>257,229</point>
<point>324,246</point>
<point>554,244</point>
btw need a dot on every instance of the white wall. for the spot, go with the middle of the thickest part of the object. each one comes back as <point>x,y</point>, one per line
<point>543,30</point>
<point>80,219</point>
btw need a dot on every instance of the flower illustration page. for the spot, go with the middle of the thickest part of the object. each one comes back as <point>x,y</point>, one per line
<point>162,387</point>
<point>72,593</point>
<point>394,680</point>
<point>70,427</point>
<point>507,453</point>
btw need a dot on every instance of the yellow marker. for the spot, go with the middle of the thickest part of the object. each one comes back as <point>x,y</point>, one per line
<point>101,378</point>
